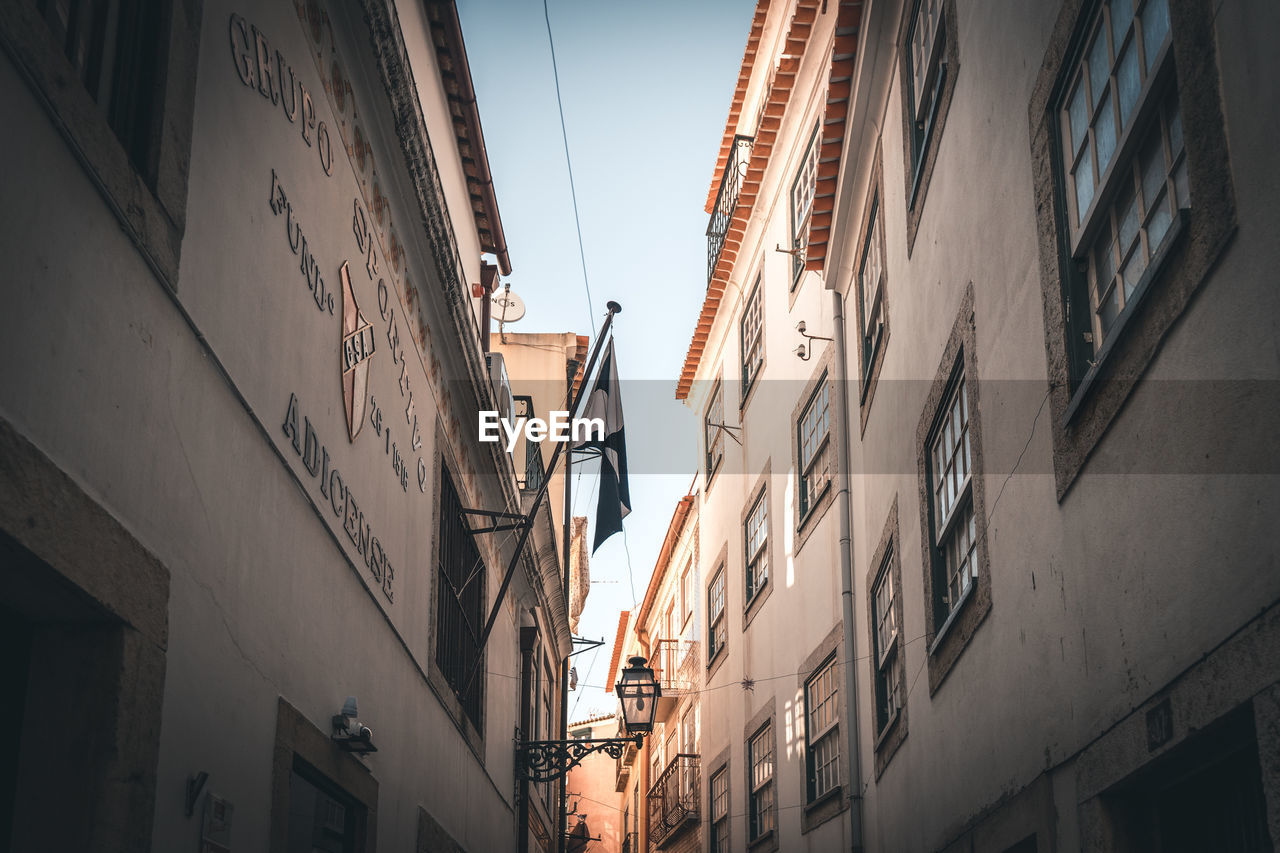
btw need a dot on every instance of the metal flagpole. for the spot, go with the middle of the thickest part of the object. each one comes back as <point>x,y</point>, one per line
<point>527,527</point>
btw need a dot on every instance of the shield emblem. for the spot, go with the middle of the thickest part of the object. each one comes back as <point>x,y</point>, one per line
<point>357,347</point>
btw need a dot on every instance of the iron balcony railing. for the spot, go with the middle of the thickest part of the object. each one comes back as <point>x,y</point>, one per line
<point>674,800</point>
<point>675,664</point>
<point>534,471</point>
<point>727,199</point>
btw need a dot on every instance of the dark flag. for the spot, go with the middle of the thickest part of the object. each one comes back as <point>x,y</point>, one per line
<point>605,402</point>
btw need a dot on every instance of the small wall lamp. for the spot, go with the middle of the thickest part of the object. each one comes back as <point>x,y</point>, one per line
<point>349,733</point>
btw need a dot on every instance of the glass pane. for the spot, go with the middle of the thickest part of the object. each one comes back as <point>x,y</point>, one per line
<point>1104,257</point>
<point>1155,28</point>
<point>1153,167</point>
<point>1127,214</point>
<point>1133,270</point>
<point>1180,183</point>
<point>1129,82</point>
<point>1078,112</point>
<point>1084,184</point>
<point>1159,223</point>
<point>1175,127</point>
<point>1121,18</point>
<point>1104,135</point>
<point>1099,65</point>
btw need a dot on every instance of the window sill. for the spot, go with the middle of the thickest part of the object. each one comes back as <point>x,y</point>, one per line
<point>761,840</point>
<point>815,804</point>
<point>952,617</point>
<point>814,507</point>
<point>753,603</point>
<point>1154,270</point>
<point>887,731</point>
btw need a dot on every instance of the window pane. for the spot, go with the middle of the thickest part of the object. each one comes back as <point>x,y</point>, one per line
<point>1105,135</point>
<point>1127,212</point>
<point>1099,66</point>
<point>1121,18</point>
<point>1078,116</point>
<point>1155,28</point>
<point>1084,184</point>
<point>1129,82</point>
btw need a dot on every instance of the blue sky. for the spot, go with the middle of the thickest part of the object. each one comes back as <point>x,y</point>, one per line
<point>646,90</point>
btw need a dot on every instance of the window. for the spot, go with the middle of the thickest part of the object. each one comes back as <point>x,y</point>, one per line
<point>712,431</point>
<point>927,72</point>
<point>686,593</point>
<point>688,732</point>
<point>114,50</point>
<point>813,433</point>
<point>321,817</point>
<point>870,287</point>
<point>954,523</point>
<point>720,811</point>
<point>822,739</point>
<point>760,776</point>
<point>884,624</point>
<point>756,532</point>
<point>459,601</point>
<point>717,629</point>
<point>1122,165</point>
<point>752,334</point>
<point>802,191</point>
<point>669,625</point>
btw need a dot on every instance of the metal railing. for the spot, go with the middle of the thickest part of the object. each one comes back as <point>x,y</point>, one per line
<point>675,664</point>
<point>727,199</point>
<point>534,470</point>
<point>674,799</point>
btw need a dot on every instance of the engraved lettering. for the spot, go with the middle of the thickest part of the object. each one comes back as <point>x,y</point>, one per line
<point>266,74</point>
<point>291,111</point>
<point>241,55</point>
<point>291,423</point>
<point>310,451</point>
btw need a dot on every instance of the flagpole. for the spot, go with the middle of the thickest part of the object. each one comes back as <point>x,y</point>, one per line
<point>527,525</point>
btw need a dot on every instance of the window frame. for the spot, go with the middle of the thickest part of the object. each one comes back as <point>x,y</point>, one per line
<point>806,503</point>
<point>719,819</point>
<point>716,618</point>
<point>686,594</point>
<point>751,344</point>
<point>1089,397</point>
<point>757,789</point>
<point>886,650</point>
<point>944,528</point>
<point>921,141</point>
<point>472,726</point>
<point>948,637</point>
<point>149,199</point>
<point>755,561</point>
<point>828,670</point>
<point>806,192</point>
<point>713,447</point>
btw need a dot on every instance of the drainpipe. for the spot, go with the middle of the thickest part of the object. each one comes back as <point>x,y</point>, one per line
<point>846,572</point>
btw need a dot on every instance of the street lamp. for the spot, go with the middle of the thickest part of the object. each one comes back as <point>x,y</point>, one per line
<point>638,692</point>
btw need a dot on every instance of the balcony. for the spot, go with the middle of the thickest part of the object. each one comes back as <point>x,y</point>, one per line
<point>675,666</point>
<point>727,199</point>
<point>673,800</point>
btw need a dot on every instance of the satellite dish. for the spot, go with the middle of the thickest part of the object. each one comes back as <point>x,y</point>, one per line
<point>507,307</point>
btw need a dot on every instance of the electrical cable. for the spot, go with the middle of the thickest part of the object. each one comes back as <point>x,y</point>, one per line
<point>573,193</point>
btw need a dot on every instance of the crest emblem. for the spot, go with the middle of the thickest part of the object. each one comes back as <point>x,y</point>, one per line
<point>357,347</point>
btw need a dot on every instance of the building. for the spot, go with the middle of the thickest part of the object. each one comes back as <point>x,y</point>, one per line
<point>662,785</point>
<point>251,250</point>
<point>1028,249</point>
<point>591,795</point>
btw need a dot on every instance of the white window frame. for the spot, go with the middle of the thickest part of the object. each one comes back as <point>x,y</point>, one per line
<point>720,811</point>
<point>761,802</point>
<point>822,724</point>
<point>884,595</point>
<point>951,480</point>
<point>813,437</point>
<point>751,335</point>
<point>717,623</point>
<point>756,553</point>
<point>871,286</point>
<point>713,433</point>
<point>804,188</point>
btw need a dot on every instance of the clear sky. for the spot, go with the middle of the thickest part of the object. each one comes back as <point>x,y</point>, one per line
<point>646,89</point>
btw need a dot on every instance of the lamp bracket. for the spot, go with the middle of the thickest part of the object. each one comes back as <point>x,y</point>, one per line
<point>545,760</point>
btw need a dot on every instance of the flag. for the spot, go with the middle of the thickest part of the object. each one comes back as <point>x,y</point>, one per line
<point>605,402</point>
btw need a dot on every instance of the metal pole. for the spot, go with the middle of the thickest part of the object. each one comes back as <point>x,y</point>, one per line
<point>566,548</point>
<point>846,574</point>
<point>614,308</point>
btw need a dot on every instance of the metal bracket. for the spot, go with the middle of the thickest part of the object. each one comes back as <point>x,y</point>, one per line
<point>545,760</point>
<point>728,429</point>
<point>587,645</point>
<point>494,515</point>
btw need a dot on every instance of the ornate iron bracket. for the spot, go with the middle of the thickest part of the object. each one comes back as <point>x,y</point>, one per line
<point>544,760</point>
